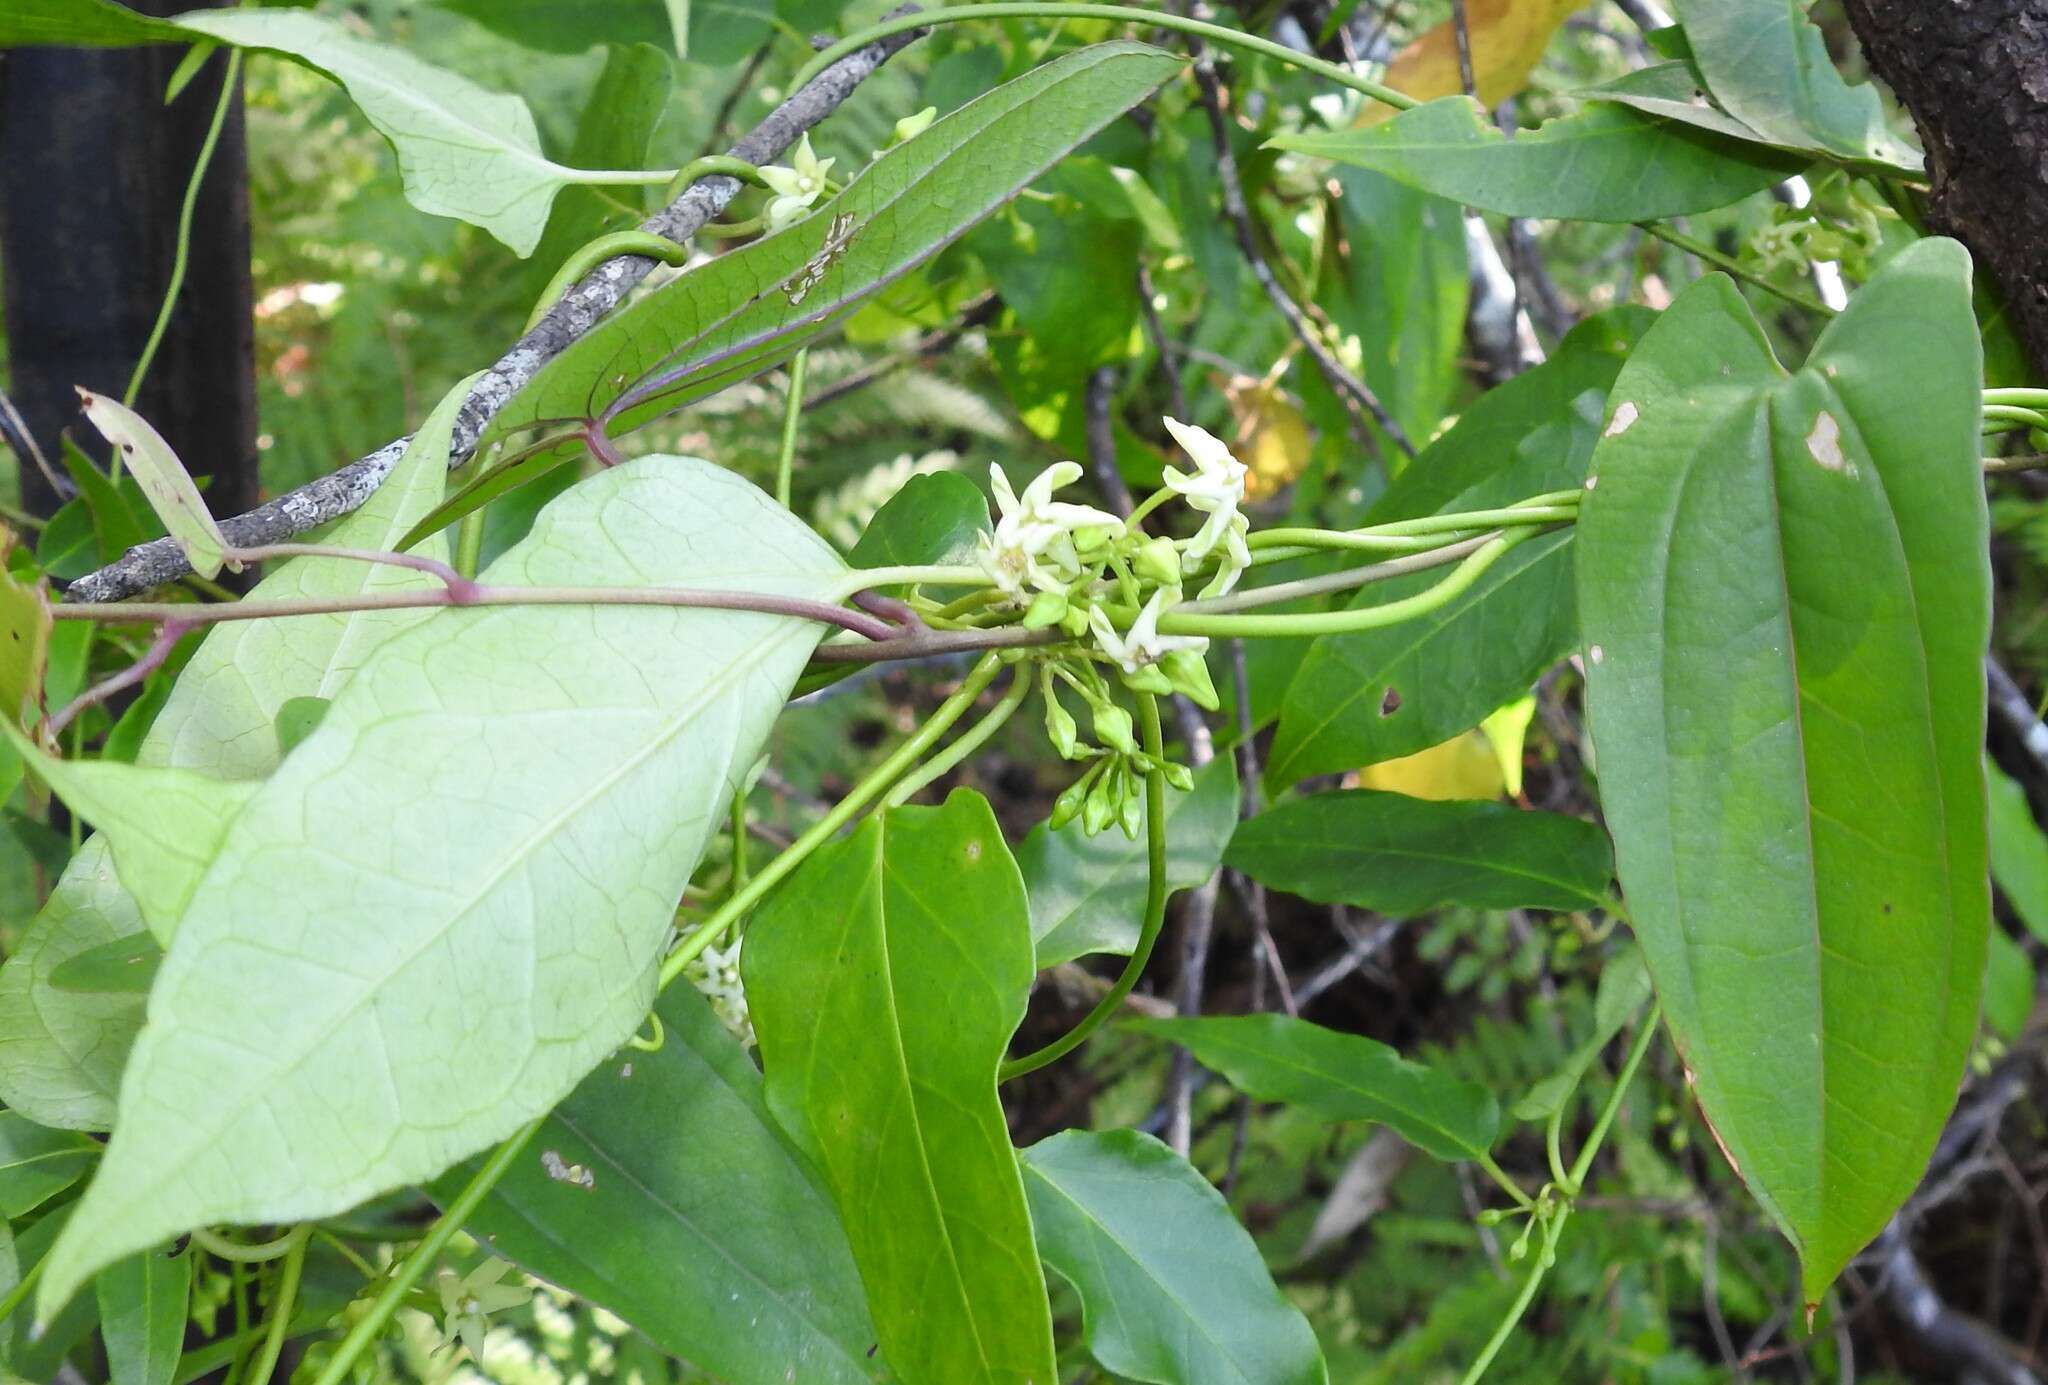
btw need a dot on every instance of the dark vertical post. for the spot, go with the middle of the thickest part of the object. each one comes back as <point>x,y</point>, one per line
<point>93,170</point>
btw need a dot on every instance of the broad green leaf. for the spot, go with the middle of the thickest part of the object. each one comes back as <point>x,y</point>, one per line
<point>1339,1077</point>
<point>616,130</point>
<point>143,1301</point>
<point>1380,694</point>
<point>115,524</point>
<point>1399,855</point>
<point>126,964</point>
<point>483,849</point>
<point>92,23</point>
<point>1173,1289</point>
<point>935,518</point>
<point>163,479</point>
<point>163,825</point>
<point>30,1349</point>
<point>697,1222</point>
<point>2008,987</point>
<point>463,150</point>
<point>2019,852</point>
<point>548,26</point>
<point>886,978</point>
<point>61,1054</point>
<point>37,1163</point>
<point>1785,595</point>
<point>1675,91</point>
<point>1088,893</point>
<point>24,647</point>
<point>1602,163</point>
<point>1769,67</point>
<point>741,313</point>
<point>223,711</point>
<point>1065,271</point>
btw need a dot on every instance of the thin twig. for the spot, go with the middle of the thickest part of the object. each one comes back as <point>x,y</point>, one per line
<point>1176,394</point>
<point>568,321</point>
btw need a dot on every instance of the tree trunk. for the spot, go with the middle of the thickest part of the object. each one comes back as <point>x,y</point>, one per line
<point>1974,74</point>
<point>93,170</point>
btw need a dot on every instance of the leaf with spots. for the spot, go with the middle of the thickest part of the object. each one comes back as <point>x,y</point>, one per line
<point>887,976</point>
<point>1785,594</point>
<point>163,479</point>
<point>484,850</point>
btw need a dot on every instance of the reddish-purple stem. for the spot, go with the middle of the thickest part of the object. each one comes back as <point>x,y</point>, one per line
<point>167,637</point>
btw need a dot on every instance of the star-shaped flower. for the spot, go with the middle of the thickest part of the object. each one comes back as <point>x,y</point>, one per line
<point>1215,487</point>
<point>795,187</point>
<point>468,1302</point>
<point>1033,544</point>
<point>1142,645</point>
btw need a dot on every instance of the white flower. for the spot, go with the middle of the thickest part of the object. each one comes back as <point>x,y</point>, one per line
<point>796,187</point>
<point>1033,542</point>
<point>467,1303</point>
<point>716,975</point>
<point>1216,488</point>
<point>1142,645</point>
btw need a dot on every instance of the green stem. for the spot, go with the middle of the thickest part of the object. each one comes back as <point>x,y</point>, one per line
<point>1189,620</point>
<point>265,1364</point>
<point>2027,395</point>
<point>1734,267</point>
<point>469,543</point>
<point>242,1252</point>
<point>2015,413</point>
<point>616,177</point>
<point>1158,19</point>
<point>424,1254</point>
<point>1541,509</point>
<point>1155,906</point>
<point>1145,507</point>
<point>969,741</point>
<point>1508,1185</point>
<point>792,415</point>
<point>713,164</point>
<point>739,839</point>
<point>1545,1253</point>
<point>181,257</point>
<point>589,256</point>
<point>867,791</point>
<point>1641,1047</point>
<point>11,1301</point>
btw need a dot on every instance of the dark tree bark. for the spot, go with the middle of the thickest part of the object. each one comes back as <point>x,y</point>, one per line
<point>1974,74</point>
<point>93,170</point>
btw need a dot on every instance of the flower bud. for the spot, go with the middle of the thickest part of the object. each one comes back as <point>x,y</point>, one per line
<point>1068,805</point>
<point>1103,799</point>
<point>1047,608</point>
<point>1075,621</point>
<point>1178,776</point>
<point>1130,810</point>
<point>1113,727</point>
<point>1158,560</point>
<point>1149,679</point>
<point>1090,539</point>
<point>911,126</point>
<point>1188,672</point>
<point>1060,727</point>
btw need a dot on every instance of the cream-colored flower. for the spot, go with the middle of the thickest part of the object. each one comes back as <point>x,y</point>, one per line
<point>795,187</point>
<point>1216,488</point>
<point>468,1302</point>
<point>1033,544</point>
<point>715,973</point>
<point>1142,645</point>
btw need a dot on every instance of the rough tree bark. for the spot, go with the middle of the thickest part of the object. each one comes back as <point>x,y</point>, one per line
<point>1974,74</point>
<point>93,170</point>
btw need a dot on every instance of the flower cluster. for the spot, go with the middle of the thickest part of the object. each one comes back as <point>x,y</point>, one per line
<point>795,187</point>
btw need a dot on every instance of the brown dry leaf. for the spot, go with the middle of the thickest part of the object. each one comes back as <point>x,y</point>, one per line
<point>1271,436</point>
<point>1508,39</point>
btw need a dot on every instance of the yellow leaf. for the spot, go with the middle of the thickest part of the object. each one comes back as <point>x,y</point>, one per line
<point>1507,730</point>
<point>1462,767</point>
<point>1508,39</point>
<point>24,643</point>
<point>1271,437</point>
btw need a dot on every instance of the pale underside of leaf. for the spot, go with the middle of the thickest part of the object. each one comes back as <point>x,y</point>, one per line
<point>486,839</point>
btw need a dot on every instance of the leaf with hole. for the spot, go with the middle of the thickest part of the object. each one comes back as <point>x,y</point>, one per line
<point>1601,163</point>
<point>735,1260</point>
<point>1340,1077</point>
<point>487,858</point>
<point>886,977</point>
<point>163,479</point>
<point>1785,595</point>
<point>1399,855</point>
<point>1172,1288</point>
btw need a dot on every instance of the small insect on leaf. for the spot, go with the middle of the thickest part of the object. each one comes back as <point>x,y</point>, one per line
<point>163,480</point>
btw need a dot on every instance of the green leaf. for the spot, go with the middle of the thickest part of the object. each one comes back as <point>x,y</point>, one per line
<point>297,719</point>
<point>1399,855</point>
<point>1769,67</point>
<point>716,324</point>
<point>1675,91</point>
<point>1785,597</point>
<point>115,525</point>
<point>463,150</point>
<point>29,1349</point>
<point>1066,273</point>
<point>37,1163</point>
<point>62,1053</point>
<point>2008,987</point>
<point>2019,852</point>
<point>1357,699</point>
<point>1339,1077</point>
<point>1173,1289</point>
<point>164,825</point>
<point>163,479</point>
<point>82,23</point>
<point>125,965</point>
<point>143,1301</point>
<point>698,1223</point>
<point>24,649</point>
<point>1088,893</point>
<point>935,518</point>
<point>1624,989</point>
<point>886,978</point>
<point>1602,163</point>
<point>548,26</point>
<point>484,851</point>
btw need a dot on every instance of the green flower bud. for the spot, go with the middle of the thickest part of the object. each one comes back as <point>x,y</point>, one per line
<point>1178,776</point>
<point>1189,674</point>
<point>1075,621</point>
<point>1158,560</point>
<point>911,126</point>
<point>1103,800</point>
<point>1047,608</point>
<point>1068,805</point>
<point>1060,727</point>
<point>1150,679</point>
<point>1090,539</point>
<point>1130,810</point>
<point>1113,727</point>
